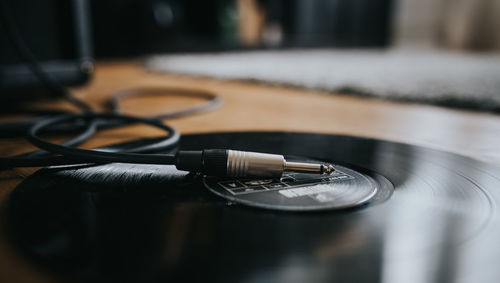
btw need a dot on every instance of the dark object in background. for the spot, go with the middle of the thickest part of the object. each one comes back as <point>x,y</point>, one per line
<point>56,32</point>
<point>346,23</point>
<point>132,27</point>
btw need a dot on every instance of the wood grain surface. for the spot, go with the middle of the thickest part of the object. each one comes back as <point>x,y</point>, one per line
<point>249,107</point>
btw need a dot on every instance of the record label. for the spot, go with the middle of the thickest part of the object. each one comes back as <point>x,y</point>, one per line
<point>344,188</point>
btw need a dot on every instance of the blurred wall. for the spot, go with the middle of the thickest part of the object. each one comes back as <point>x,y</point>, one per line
<point>124,28</point>
<point>451,24</point>
<point>134,27</point>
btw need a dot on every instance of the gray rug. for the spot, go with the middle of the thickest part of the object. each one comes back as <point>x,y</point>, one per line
<point>453,79</point>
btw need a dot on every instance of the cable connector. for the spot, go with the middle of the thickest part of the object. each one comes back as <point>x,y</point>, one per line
<point>234,163</point>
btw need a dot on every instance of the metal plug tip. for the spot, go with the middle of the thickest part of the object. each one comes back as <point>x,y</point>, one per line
<point>327,169</point>
<point>311,168</point>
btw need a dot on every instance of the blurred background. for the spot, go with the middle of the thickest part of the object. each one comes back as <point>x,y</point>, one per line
<point>443,52</point>
<point>154,26</point>
<point>132,27</point>
<point>125,28</point>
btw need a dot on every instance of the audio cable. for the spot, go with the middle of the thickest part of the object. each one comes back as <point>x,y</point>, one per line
<point>219,162</point>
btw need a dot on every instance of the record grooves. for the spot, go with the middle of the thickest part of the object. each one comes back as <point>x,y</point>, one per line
<point>436,221</point>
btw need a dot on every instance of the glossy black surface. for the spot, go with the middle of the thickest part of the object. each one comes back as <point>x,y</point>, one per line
<point>136,223</point>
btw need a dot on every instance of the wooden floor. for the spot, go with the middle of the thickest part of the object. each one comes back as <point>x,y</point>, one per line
<point>250,106</point>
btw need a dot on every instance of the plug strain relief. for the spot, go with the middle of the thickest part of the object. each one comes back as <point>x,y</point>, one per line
<point>215,162</point>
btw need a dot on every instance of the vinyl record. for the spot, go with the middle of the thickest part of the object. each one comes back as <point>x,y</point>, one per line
<point>422,216</point>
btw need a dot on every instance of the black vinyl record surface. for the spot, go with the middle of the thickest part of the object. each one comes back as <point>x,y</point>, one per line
<point>435,220</point>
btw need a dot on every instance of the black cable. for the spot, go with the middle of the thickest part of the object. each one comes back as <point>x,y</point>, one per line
<point>212,100</point>
<point>71,155</point>
<point>20,128</point>
<point>212,162</point>
<point>91,121</point>
<point>98,121</point>
<point>103,156</point>
<point>89,131</point>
